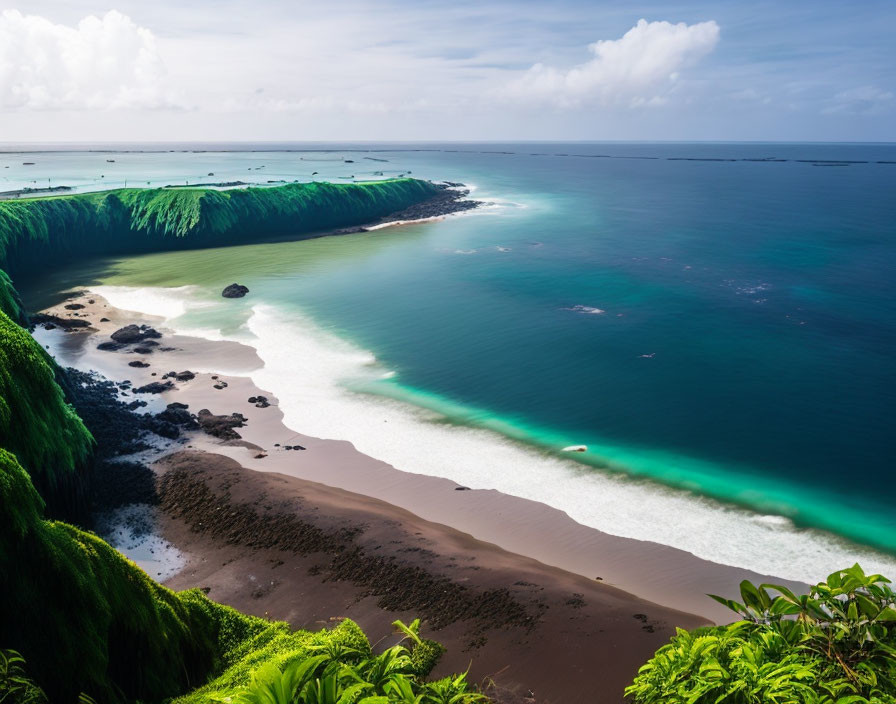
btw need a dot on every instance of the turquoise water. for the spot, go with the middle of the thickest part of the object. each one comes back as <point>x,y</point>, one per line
<point>723,327</point>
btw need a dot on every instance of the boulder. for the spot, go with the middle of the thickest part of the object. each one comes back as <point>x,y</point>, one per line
<point>234,291</point>
<point>155,387</point>
<point>135,333</point>
<point>221,426</point>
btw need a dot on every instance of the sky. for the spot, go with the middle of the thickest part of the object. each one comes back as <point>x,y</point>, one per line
<point>420,70</point>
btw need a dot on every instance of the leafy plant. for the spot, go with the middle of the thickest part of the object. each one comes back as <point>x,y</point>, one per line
<point>834,645</point>
<point>15,686</point>
<point>340,675</point>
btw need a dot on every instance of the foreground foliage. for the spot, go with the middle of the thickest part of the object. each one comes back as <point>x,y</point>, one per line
<point>834,645</point>
<point>335,667</point>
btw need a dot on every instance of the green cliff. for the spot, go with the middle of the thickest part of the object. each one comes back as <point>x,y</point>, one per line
<point>39,232</point>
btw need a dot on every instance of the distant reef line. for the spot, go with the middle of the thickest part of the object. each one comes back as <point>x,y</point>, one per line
<point>37,233</point>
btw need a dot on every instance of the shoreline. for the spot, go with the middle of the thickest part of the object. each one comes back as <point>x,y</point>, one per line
<point>273,541</point>
<point>657,573</point>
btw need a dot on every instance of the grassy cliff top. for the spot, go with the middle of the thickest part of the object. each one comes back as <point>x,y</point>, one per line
<point>38,232</point>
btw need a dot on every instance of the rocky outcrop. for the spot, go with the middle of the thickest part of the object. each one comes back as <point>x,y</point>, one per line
<point>221,426</point>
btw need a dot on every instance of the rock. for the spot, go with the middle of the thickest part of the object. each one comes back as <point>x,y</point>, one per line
<point>64,323</point>
<point>221,426</point>
<point>177,414</point>
<point>109,346</point>
<point>234,291</point>
<point>135,333</point>
<point>104,320</point>
<point>73,306</point>
<point>155,387</point>
<point>260,401</point>
<point>184,376</point>
<point>139,364</point>
<point>49,326</point>
<point>162,427</point>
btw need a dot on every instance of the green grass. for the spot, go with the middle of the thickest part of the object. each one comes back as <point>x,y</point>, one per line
<point>38,232</point>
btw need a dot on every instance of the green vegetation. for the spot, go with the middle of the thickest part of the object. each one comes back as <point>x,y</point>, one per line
<point>329,667</point>
<point>36,423</point>
<point>10,303</point>
<point>38,232</point>
<point>835,645</point>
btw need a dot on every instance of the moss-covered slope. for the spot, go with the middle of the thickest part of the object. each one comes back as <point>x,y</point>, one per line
<point>36,423</point>
<point>10,303</point>
<point>38,232</point>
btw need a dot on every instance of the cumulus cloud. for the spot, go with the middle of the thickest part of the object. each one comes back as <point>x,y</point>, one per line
<point>639,68</point>
<point>101,63</point>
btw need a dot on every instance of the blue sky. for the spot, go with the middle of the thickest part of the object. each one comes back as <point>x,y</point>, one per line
<point>424,70</point>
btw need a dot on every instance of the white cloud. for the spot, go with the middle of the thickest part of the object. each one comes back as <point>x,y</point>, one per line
<point>637,69</point>
<point>102,62</point>
<point>865,100</point>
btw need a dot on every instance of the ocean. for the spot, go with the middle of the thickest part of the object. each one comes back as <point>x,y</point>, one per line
<point>716,322</point>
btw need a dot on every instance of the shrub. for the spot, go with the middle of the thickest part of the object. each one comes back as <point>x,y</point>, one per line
<point>834,645</point>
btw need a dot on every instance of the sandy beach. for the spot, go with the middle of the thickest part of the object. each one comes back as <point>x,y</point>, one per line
<point>289,533</point>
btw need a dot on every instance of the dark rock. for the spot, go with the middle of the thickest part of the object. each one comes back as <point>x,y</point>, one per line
<point>143,350</point>
<point>135,333</point>
<point>178,405</point>
<point>178,416</point>
<point>162,427</point>
<point>64,323</point>
<point>49,326</point>
<point>109,346</point>
<point>104,320</point>
<point>184,376</point>
<point>138,363</point>
<point>221,426</point>
<point>462,488</point>
<point>155,387</point>
<point>253,399</point>
<point>73,306</point>
<point>234,291</point>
